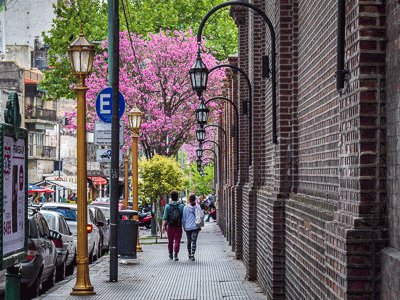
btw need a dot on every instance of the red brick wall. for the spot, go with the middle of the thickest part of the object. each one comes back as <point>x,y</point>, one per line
<point>390,283</point>
<point>313,208</point>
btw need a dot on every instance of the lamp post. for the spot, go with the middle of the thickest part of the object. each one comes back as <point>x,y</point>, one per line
<point>81,54</point>
<point>126,184</point>
<point>135,120</point>
<point>198,75</point>
<point>201,134</point>
<point>202,112</point>
<point>197,67</point>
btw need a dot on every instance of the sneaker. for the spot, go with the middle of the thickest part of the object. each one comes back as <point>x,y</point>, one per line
<point>176,256</point>
<point>192,258</point>
<point>170,256</point>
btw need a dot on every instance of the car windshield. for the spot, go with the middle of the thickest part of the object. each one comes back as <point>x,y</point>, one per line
<point>68,213</point>
<point>50,219</point>
<point>106,211</point>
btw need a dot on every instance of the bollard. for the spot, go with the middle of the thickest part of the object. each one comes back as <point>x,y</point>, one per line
<point>13,279</point>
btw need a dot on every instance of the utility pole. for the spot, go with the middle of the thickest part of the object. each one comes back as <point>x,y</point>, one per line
<point>113,71</point>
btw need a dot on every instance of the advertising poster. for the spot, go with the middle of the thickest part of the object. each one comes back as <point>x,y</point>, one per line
<point>13,195</point>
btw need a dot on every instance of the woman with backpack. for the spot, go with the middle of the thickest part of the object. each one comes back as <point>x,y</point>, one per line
<point>172,222</point>
<point>193,220</point>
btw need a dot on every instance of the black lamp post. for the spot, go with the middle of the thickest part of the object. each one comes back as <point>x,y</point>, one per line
<point>202,112</point>
<point>270,26</point>
<point>201,134</point>
<point>199,151</point>
<point>199,75</point>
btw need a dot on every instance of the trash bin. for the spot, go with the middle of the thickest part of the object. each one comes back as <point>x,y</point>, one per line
<point>127,233</point>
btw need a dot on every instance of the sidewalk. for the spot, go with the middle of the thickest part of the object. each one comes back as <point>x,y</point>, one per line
<point>214,275</point>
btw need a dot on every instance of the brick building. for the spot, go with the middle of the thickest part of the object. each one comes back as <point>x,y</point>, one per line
<point>317,215</point>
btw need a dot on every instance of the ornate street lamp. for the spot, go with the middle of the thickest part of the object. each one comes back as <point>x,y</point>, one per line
<point>135,121</point>
<point>199,75</point>
<point>201,134</point>
<point>81,54</point>
<point>126,184</point>
<point>199,151</point>
<point>202,112</point>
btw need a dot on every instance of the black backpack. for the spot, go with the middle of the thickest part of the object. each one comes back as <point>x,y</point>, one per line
<point>174,216</point>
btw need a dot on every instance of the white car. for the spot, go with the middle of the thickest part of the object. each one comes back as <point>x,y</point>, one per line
<point>66,248</point>
<point>69,211</point>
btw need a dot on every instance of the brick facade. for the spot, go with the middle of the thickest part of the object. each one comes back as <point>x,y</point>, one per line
<point>390,283</point>
<point>308,216</point>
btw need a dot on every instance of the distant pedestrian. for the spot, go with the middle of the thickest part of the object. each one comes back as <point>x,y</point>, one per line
<point>212,212</point>
<point>172,222</point>
<point>193,219</point>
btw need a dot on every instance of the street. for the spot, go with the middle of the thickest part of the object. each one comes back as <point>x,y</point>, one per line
<point>215,274</point>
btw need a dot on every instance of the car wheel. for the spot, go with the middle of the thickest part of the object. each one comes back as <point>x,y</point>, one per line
<point>100,250</point>
<point>52,279</point>
<point>70,268</point>
<point>61,270</point>
<point>91,256</point>
<point>34,290</point>
<point>95,256</point>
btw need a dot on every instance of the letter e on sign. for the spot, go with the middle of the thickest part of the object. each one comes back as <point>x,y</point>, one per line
<point>104,105</point>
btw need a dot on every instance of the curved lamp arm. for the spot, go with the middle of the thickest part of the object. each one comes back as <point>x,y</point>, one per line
<point>237,125</point>
<point>209,149</point>
<point>241,72</point>
<point>219,147</point>
<point>220,127</point>
<point>273,57</point>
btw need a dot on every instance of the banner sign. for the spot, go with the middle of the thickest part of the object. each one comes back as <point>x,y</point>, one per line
<point>13,186</point>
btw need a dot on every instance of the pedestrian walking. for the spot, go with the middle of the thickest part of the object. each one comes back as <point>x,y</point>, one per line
<point>172,223</point>
<point>193,220</point>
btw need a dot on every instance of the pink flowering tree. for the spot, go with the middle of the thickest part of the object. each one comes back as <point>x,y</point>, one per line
<point>154,76</point>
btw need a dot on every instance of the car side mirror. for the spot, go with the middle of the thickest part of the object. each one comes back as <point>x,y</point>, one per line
<point>55,235</point>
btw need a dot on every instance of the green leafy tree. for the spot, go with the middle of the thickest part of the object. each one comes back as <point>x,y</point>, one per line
<point>201,185</point>
<point>159,176</point>
<point>153,15</point>
<point>69,16</point>
<point>143,17</point>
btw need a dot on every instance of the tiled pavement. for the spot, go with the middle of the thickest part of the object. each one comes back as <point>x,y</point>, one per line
<point>214,275</point>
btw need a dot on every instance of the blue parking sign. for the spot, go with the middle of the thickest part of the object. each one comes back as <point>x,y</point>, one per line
<point>104,105</point>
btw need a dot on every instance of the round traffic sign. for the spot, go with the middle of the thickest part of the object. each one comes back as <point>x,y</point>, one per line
<point>104,105</point>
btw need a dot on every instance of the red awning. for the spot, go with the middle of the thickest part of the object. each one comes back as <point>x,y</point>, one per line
<point>98,180</point>
<point>30,81</point>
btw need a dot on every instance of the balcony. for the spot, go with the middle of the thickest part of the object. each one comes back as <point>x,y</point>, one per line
<point>39,113</point>
<point>42,152</point>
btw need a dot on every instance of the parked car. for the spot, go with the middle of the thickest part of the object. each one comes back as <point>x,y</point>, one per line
<point>69,211</point>
<point>66,248</point>
<point>103,223</point>
<point>39,268</point>
<point>2,283</point>
<point>105,200</point>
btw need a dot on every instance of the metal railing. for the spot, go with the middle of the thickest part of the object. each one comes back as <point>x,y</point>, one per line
<point>39,151</point>
<point>41,113</point>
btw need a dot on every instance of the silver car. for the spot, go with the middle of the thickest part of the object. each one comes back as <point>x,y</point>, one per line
<point>69,211</point>
<point>2,283</point>
<point>65,246</point>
